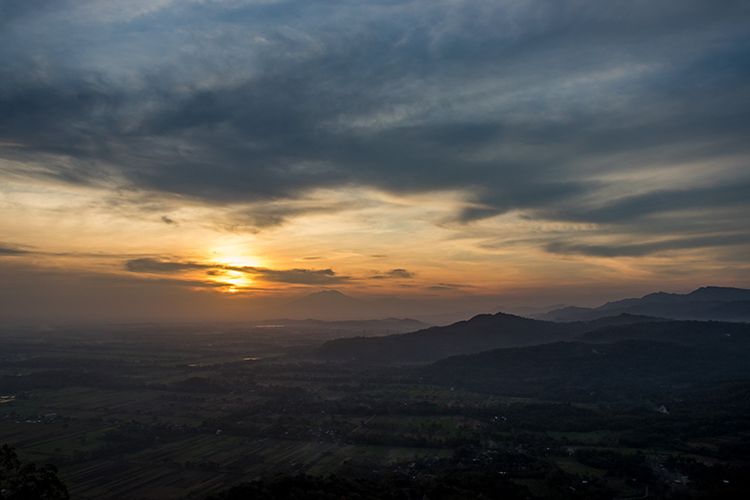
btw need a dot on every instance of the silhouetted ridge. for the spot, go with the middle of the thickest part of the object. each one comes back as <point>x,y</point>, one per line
<point>705,303</point>
<point>724,294</point>
<point>480,333</point>
<point>486,332</point>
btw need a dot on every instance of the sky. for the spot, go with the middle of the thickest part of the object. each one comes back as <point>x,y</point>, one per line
<point>206,158</point>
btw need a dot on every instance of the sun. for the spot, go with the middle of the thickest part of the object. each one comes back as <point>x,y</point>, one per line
<point>236,281</point>
<point>231,264</point>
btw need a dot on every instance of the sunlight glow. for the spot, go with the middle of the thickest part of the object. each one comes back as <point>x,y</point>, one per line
<point>238,260</point>
<point>235,280</point>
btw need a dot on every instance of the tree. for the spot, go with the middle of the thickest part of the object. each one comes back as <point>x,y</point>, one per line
<point>27,481</point>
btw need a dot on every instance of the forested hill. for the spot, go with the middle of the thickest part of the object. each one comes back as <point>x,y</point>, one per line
<point>480,333</point>
<point>486,332</point>
<point>579,371</point>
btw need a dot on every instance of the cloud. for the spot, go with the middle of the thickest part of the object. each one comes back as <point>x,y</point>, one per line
<point>10,251</point>
<point>501,99</point>
<point>181,283</point>
<point>397,273</point>
<point>290,276</point>
<point>647,248</point>
<point>258,216</point>
<point>630,208</point>
<point>298,276</point>
<point>149,265</point>
<point>560,111</point>
<point>446,287</point>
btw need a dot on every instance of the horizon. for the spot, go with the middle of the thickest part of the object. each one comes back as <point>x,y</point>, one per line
<point>307,307</point>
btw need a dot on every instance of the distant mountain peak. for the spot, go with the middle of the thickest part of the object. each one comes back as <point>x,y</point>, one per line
<point>501,314</point>
<point>328,293</point>
<point>489,317</point>
<point>325,297</point>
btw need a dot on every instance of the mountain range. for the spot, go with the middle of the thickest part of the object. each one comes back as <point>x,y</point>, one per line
<point>613,322</point>
<point>706,303</point>
<point>480,333</point>
<point>614,358</point>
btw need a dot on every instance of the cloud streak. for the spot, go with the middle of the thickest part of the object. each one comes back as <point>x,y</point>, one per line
<point>149,265</point>
<point>398,273</point>
<point>296,276</point>
<point>647,248</point>
<point>10,251</point>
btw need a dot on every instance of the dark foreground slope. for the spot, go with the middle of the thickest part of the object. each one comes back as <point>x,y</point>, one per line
<point>452,484</point>
<point>679,332</point>
<point>480,333</point>
<point>678,355</point>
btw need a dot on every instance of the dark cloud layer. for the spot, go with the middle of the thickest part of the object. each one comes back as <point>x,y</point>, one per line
<point>149,265</point>
<point>289,276</point>
<point>398,273</point>
<point>542,107</point>
<point>630,208</point>
<point>6,251</point>
<point>299,276</point>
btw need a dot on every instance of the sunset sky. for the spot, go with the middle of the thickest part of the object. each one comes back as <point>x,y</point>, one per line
<point>163,157</point>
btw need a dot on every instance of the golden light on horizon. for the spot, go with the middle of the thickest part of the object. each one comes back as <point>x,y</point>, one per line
<point>236,281</point>
<point>239,261</point>
<point>231,260</point>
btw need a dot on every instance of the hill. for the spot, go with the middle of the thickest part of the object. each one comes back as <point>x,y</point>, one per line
<point>480,333</point>
<point>579,371</point>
